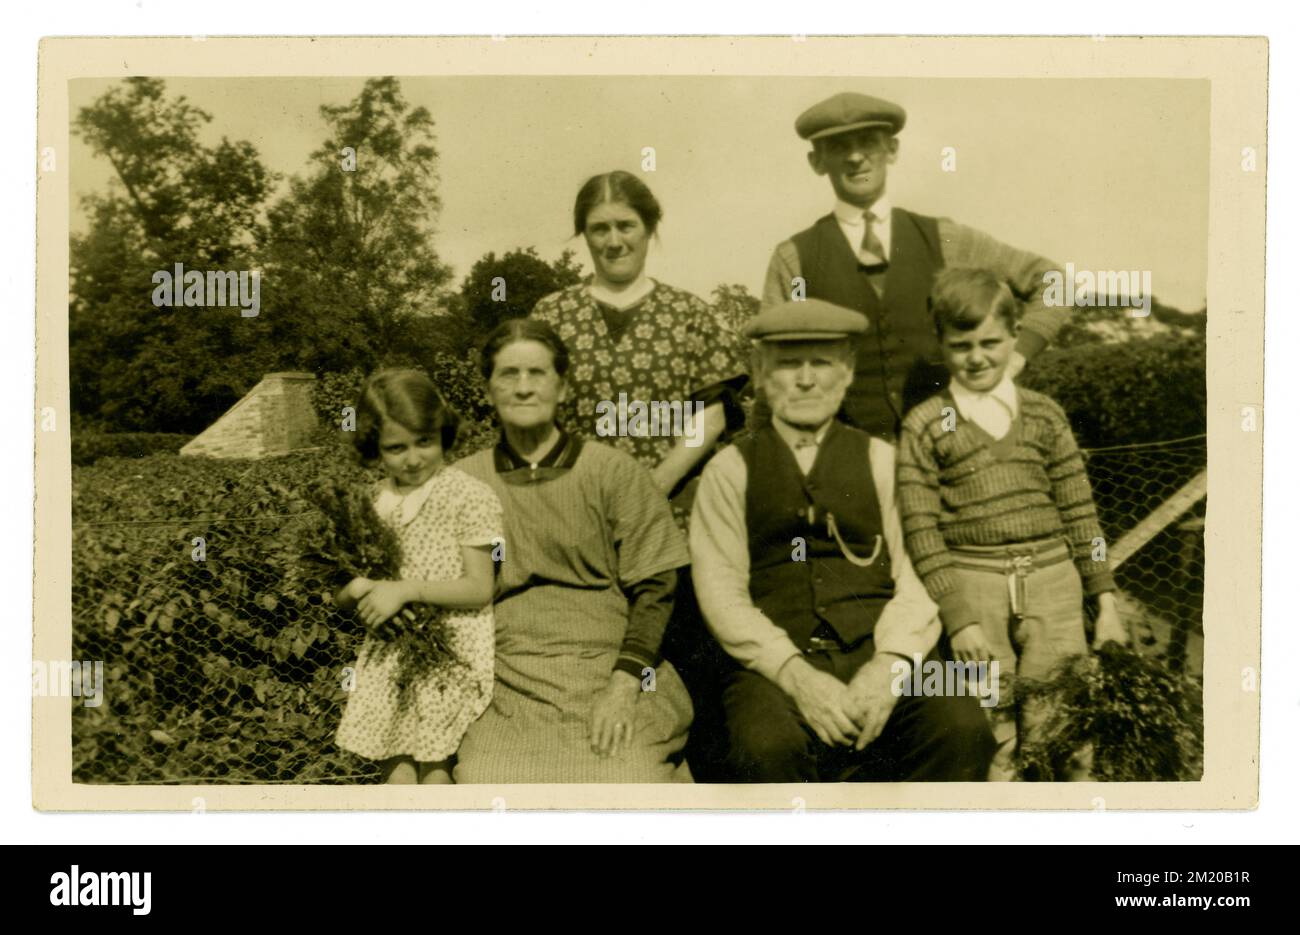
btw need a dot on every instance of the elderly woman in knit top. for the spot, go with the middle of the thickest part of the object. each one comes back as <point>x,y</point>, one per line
<point>584,591</point>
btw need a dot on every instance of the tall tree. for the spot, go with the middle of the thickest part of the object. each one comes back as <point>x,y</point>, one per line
<point>352,276</point>
<point>173,200</point>
<point>508,286</point>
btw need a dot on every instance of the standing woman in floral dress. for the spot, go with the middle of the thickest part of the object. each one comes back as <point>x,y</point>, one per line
<point>628,333</point>
<point>631,334</point>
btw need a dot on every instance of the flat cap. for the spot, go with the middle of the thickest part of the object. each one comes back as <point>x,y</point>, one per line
<point>848,111</point>
<point>806,320</point>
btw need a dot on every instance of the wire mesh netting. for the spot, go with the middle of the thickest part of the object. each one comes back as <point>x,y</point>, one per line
<point>225,661</point>
<point>216,670</point>
<point>1151,501</point>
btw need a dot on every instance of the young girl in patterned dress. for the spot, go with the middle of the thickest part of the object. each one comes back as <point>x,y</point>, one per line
<point>446,523</point>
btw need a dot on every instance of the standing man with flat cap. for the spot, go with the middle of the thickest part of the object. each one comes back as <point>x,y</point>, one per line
<point>800,569</point>
<point>880,261</point>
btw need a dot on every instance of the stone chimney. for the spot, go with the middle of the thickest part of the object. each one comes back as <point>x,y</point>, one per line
<point>274,418</point>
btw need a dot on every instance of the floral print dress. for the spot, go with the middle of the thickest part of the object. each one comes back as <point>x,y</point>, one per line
<point>449,510</point>
<point>669,347</point>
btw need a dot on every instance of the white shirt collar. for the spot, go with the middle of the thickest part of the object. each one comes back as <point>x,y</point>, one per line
<point>846,213</point>
<point>1004,392</point>
<point>400,508</point>
<point>791,435</point>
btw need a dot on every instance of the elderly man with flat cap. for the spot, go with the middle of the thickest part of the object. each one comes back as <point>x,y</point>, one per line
<point>799,565</point>
<point>880,261</point>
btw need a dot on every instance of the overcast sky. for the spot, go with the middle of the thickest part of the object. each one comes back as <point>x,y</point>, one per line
<point>1103,173</point>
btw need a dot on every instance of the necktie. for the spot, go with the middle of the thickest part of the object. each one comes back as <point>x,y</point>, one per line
<point>872,253</point>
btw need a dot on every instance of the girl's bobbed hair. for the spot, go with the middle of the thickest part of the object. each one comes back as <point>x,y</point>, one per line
<point>407,397</point>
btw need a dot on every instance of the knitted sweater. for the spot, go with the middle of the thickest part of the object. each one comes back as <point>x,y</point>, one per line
<point>960,487</point>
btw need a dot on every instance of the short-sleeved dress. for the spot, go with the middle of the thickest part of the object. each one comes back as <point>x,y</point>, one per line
<point>448,511</point>
<point>577,535</point>
<point>670,345</point>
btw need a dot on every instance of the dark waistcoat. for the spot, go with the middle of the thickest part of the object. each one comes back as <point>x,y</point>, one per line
<point>898,358</point>
<point>781,505</point>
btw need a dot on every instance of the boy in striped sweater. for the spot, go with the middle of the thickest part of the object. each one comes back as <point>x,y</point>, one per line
<point>996,508</point>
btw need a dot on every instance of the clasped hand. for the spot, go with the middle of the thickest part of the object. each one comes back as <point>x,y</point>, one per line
<point>376,601</point>
<point>842,714</point>
<point>1110,626</point>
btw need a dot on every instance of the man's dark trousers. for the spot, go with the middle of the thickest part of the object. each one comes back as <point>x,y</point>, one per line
<point>925,739</point>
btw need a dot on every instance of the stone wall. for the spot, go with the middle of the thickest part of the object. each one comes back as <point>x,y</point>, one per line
<point>274,418</point>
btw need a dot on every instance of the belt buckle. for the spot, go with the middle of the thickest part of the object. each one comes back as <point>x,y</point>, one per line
<point>1021,564</point>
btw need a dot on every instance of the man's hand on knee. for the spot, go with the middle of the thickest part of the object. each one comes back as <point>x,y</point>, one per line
<point>821,698</point>
<point>871,698</point>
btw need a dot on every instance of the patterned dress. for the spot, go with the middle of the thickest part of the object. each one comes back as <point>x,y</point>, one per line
<point>669,346</point>
<point>448,511</point>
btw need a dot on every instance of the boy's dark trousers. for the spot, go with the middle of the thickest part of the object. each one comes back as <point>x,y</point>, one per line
<point>925,739</point>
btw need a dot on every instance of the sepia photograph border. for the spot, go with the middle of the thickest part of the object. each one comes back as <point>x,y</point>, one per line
<point>1236,69</point>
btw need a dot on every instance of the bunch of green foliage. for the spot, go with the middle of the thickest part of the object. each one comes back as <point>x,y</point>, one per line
<point>1140,719</point>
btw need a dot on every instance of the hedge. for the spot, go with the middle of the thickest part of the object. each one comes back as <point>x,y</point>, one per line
<point>223,663</point>
<point>89,447</point>
<point>1141,390</point>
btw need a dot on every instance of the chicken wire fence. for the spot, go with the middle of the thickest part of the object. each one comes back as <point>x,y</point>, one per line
<point>225,661</point>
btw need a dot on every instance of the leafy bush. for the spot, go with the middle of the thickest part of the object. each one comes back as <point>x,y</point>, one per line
<point>332,392</point>
<point>1142,390</point>
<point>222,661</point>
<point>89,447</point>
<point>1142,721</point>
